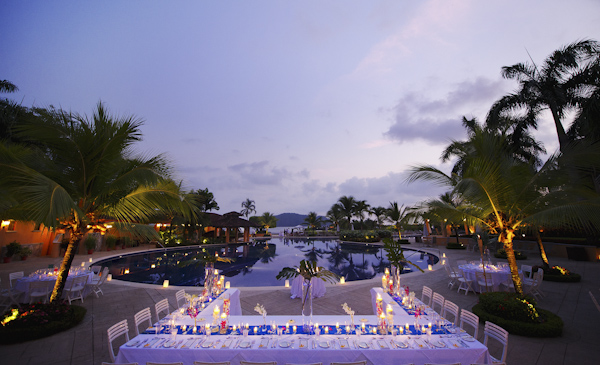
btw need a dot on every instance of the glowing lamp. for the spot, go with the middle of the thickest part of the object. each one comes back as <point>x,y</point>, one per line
<point>109,277</point>
<point>287,283</point>
<point>342,280</point>
<point>227,285</point>
<point>429,267</point>
<point>166,284</point>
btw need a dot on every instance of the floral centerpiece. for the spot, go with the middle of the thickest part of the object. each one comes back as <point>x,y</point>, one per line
<point>262,311</point>
<point>308,270</point>
<point>395,256</point>
<point>349,311</point>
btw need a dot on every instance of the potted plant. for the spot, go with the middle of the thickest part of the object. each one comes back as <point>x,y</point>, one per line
<point>12,249</point>
<point>126,242</point>
<point>25,252</point>
<point>395,256</point>
<point>90,243</point>
<point>111,242</point>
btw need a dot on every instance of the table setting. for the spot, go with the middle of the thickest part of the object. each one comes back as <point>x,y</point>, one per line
<point>500,273</point>
<point>50,275</point>
<point>387,339</point>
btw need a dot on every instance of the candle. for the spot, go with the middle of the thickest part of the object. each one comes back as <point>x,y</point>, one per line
<point>109,277</point>
<point>430,267</point>
<point>287,283</point>
<point>287,327</point>
<point>342,280</point>
<point>234,327</point>
<point>387,271</point>
<point>227,285</point>
<point>401,330</point>
<point>294,328</point>
<point>90,259</point>
<point>379,298</point>
<point>194,330</point>
<point>362,326</point>
<point>326,329</point>
<point>247,325</point>
<point>407,327</point>
<point>255,330</point>
<point>337,325</point>
<point>166,284</point>
<point>389,309</point>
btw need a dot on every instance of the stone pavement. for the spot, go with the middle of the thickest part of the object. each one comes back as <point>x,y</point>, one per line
<point>88,344</point>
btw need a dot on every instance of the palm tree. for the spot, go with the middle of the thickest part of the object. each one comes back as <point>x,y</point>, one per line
<point>268,220</point>
<point>560,84</point>
<point>85,177</point>
<point>313,220</point>
<point>7,87</point>
<point>361,208</point>
<point>347,206</point>
<point>506,195</point>
<point>397,214</point>
<point>248,207</point>
<point>335,216</point>
<point>380,214</point>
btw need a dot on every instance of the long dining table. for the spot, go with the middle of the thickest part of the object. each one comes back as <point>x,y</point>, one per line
<point>284,339</point>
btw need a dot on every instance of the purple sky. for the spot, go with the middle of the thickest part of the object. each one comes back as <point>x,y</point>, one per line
<point>290,104</point>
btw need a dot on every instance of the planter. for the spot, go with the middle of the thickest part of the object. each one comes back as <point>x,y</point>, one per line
<point>7,260</point>
<point>23,258</point>
<point>91,251</point>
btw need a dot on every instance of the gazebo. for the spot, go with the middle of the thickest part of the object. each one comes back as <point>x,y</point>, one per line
<point>230,222</point>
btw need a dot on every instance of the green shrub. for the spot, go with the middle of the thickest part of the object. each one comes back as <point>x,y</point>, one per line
<point>550,325</point>
<point>111,241</point>
<point>562,275</point>
<point>501,254</point>
<point>509,306</point>
<point>39,320</point>
<point>455,246</point>
<point>365,236</point>
<point>13,248</point>
<point>404,242</point>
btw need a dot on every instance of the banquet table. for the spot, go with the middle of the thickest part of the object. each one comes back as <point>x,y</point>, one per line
<point>22,284</point>
<point>318,287</point>
<point>235,307</point>
<point>499,274</point>
<point>297,348</point>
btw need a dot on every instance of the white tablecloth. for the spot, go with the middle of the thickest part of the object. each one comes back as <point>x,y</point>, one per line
<point>235,307</point>
<point>473,352</point>
<point>22,284</point>
<point>318,287</point>
<point>499,275</point>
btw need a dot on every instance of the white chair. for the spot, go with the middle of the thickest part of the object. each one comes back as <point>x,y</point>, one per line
<point>180,298</point>
<point>363,362</point>
<point>461,262</point>
<point>15,276</point>
<point>162,306</point>
<point>594,300</point>
<point>533,286</point>
<point>11,296</point>
<point>452,275</point>
<point>527,272</point>
<point>114,332</point>
<point>140,317</point>
<point>212,363</point>
<point>484,281</point>
<point>437,300</point>
<point>465,283</point>
<point>427,293</point>
<point>75,290</point>
<point>242,362</point>
<point>97,282</point>
<point>40,289</point>
<point>499,334</point>
<point>450,309</point>
<point>470,319</point>
<point>96,269</point>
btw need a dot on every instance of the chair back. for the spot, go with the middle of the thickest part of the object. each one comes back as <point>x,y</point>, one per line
<point>39,289</point>
<point>497,333</point>
<point>96,269</point>
<point>162,306</point>
<point>15,276</point>
<point>471,319</point>
<point>140,317</point>
<point>437,300</point>
<point>180,298</point>
<point>117,330</point>
<point>451,309</point>
<point>526,270</point>
<point>427,293</point>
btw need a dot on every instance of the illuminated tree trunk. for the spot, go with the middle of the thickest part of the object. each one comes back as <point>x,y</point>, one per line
<point>545,263</point>
<point>63,272</point>
<point>506,237</point>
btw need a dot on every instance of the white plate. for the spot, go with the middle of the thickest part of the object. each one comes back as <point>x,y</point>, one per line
<point>363,345</point>
<point>170,343</point>
<point>284,344</point>
<point>207,344</point>
<point>468,338</point>
<point>324,344</point>
<point>439,344</point>
<point>245,344</point>
<point>402,344</point>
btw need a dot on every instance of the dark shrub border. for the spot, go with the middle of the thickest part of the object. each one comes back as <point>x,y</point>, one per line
<point>551,327</point>
<point>404,242</point>
<point>501,254</point>
<point>455,246</point>
<point>15,334</point>
<point>571,278</point>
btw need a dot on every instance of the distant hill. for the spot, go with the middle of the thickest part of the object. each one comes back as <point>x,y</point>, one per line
<point>291,219</point>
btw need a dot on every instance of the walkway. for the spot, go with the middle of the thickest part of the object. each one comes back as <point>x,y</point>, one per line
<point>87,343</point>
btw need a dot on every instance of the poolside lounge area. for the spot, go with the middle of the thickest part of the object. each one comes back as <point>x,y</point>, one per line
<point>88,344</point>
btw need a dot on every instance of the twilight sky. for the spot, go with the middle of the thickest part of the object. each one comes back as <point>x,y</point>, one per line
<point>290,104</point>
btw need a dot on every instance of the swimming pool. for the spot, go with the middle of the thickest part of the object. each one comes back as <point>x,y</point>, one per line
<point>257,263</point>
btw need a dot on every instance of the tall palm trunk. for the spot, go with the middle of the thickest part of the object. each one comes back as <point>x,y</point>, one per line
<point>63,272</point>
<point>506,237</point>
<point>545,263</point>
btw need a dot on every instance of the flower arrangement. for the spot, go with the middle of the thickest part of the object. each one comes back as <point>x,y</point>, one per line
<point>262,311</point>
<point>350,312</point>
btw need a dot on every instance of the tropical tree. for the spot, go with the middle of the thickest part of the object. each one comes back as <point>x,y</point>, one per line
<point>248,207</point>
<point>347,206</point>
<point>313,220</point>
<point>380,213</point>
<point>397,214</point>
<point>362,208</point>
<point>561,84</point>
<point>335,216</point>
<point>7,87</point>
<point>506,195</point>
<point>206,199</point>
<point>83,177</point>
<point>268,220</point>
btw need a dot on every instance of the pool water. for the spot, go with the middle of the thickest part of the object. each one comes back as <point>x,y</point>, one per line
<point>258,263</point>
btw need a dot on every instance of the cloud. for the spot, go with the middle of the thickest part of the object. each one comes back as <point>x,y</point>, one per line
<point>259,173</point>
<point>417,116</point>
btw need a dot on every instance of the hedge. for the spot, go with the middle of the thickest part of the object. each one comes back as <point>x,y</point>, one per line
<point>551,327</point>
<point>455,246</point>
